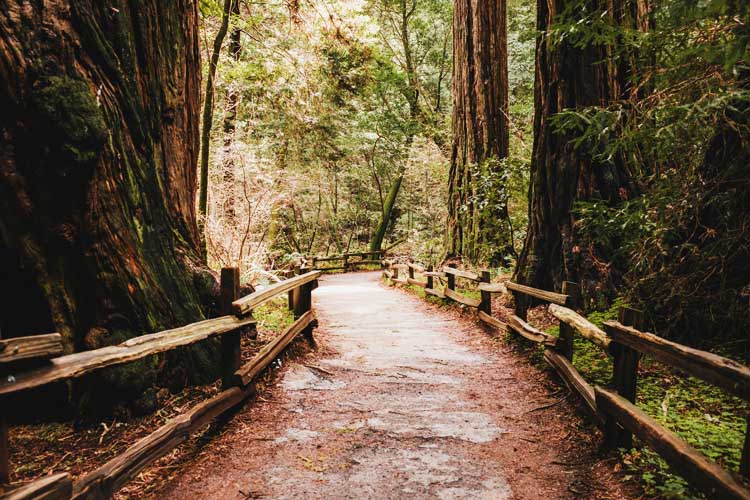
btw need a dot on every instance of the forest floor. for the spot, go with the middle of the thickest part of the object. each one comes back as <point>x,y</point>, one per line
<point>402,398</point>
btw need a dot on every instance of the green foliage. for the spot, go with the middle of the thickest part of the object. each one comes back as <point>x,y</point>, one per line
<point>325,125</point>
<point>347,70</point>
<point>489,198</point>
<point>521,47</point>
<point>275,315</point>
<point>655,476</point>
<point>703,415</point>
<point>682,248</point>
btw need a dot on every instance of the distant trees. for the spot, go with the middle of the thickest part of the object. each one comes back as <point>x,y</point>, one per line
<point>399,15</point>
<point>208,112</point>
<point>410,48</point>
<point>323,120</point>
<point>476,197</point>
<point>230,122</point>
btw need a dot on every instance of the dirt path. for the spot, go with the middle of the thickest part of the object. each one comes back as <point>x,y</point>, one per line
<point>405,401</point>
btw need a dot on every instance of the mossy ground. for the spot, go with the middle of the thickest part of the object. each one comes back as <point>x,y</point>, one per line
<point>275,315</point>
<point>705,416</point>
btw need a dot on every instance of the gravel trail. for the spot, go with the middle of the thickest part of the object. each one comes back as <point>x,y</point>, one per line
<point>402,400</point>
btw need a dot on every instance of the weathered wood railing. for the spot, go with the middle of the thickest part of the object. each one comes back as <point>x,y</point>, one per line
<point>349,261</point>
<point>613,408</point>
<point>237,382</point>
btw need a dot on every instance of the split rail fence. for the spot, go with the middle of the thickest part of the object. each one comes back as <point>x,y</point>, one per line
<point>236,381</point>
<point>613,408</point>
<point>348,261</point>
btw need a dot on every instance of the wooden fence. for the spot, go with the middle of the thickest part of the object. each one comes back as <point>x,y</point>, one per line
<point>349,261</point>
<point>237,381</point>
<point>613,408</point>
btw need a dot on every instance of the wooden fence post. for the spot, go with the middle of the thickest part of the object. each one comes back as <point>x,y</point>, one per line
<point>231,358</point>
<point>290,294</point>
<point>411,269</point>
<point>346,262</point>
<point>451,278</point>
<point>430,282</point>
<point>486,304</point>
<point>302,304</point>
<point>624,378</point>
<point>395,272</point>
<point>565,343</point>
<point>520,304</point>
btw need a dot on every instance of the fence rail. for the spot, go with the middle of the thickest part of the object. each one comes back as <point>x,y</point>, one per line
<point>34,347</point>
<point>613,409</point>
<point>237,382</point>
<point>349,260</point>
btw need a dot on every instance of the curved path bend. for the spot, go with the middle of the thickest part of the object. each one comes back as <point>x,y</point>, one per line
<point>404,400</point>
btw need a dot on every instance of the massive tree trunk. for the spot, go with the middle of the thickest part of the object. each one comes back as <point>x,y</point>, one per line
<point>98,147</point>
<point>480,128</point>
<point>570,78</point>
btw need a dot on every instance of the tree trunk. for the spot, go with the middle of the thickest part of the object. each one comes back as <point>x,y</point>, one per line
<point>390,201</point>
<point>208,116</point>
<point>98,147</point>
<point>480,126</point>
<point>569,78</point>
<point>230,118</point>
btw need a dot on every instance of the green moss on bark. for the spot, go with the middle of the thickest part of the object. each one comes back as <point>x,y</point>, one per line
<point>69,113</point>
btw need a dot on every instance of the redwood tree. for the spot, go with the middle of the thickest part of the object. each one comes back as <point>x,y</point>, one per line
<point>571,75</point>
<point>98,149</point>
<point>480,125</point>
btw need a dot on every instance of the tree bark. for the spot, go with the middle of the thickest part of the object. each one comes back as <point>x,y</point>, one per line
<point>571,78</point>
<point>98,147</point>
<point>480,125</point>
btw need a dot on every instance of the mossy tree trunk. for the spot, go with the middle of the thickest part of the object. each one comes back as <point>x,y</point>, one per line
<point>98,148</point>
<point>480,129</point>
<point>377,238</point>
<point>570,77</point>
